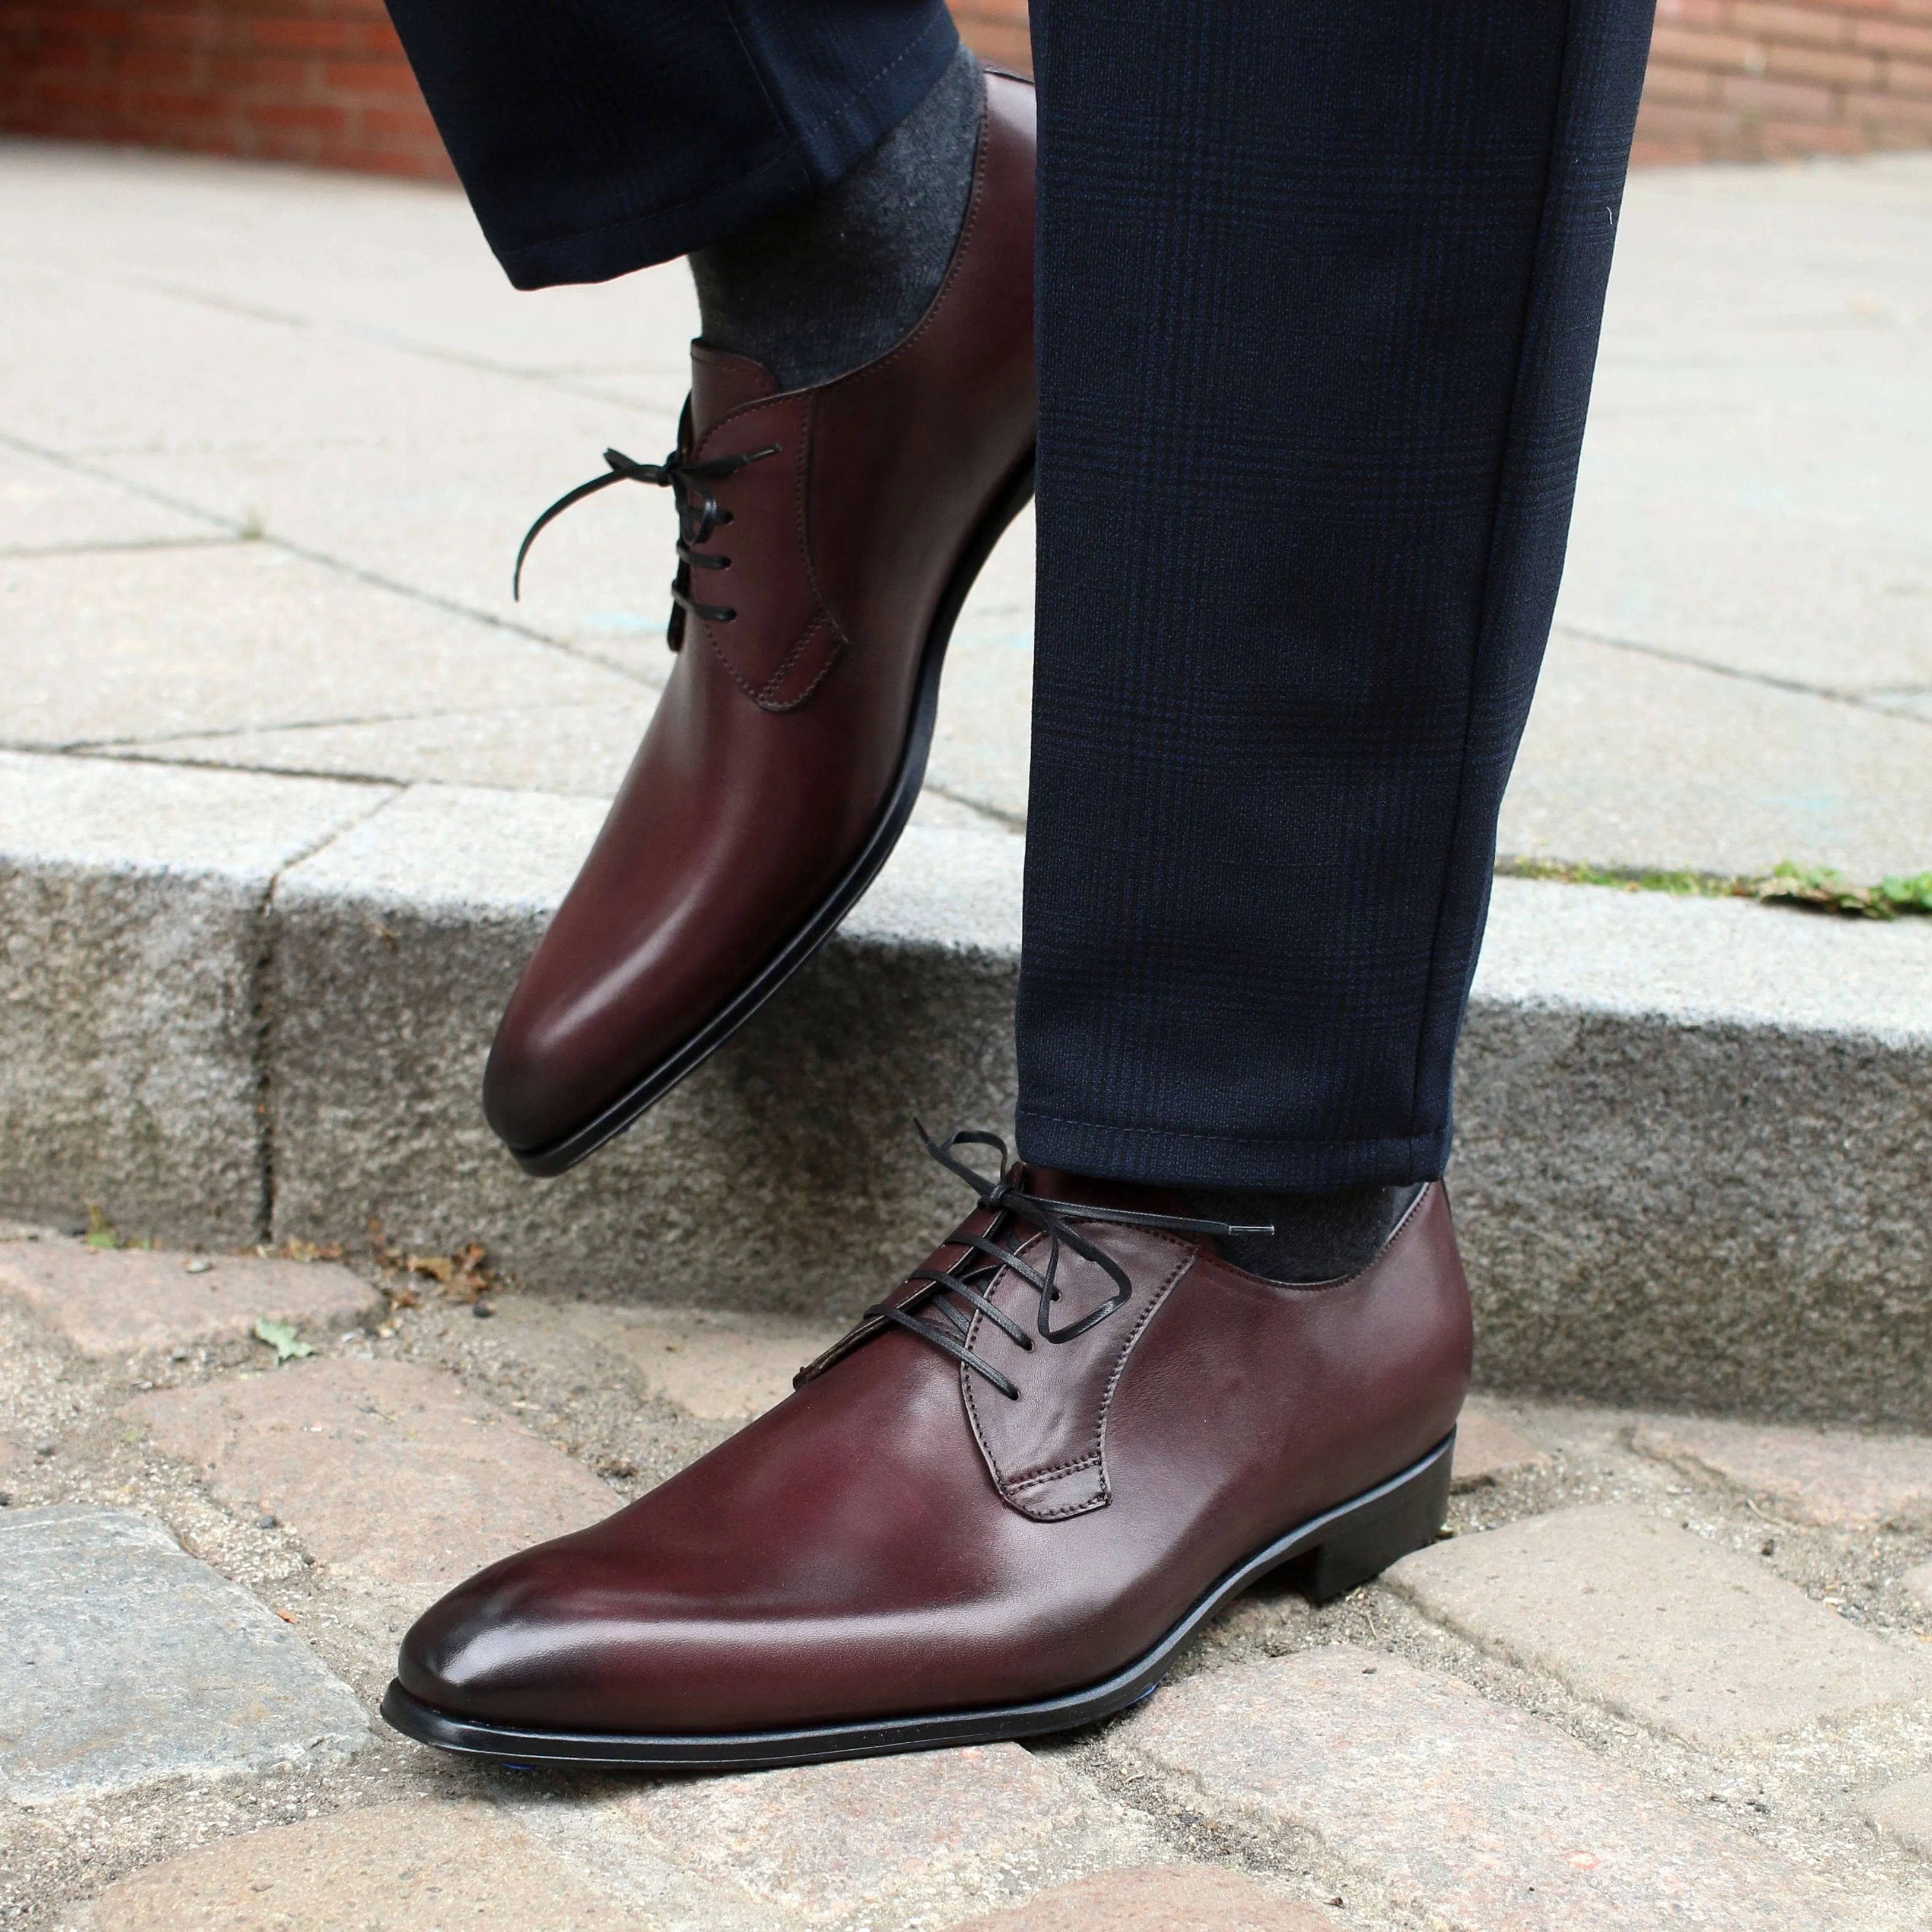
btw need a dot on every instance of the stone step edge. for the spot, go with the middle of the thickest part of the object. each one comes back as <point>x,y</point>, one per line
<point>1691,1129</point>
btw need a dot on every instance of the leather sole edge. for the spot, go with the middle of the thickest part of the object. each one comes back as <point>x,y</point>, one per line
<point>1348,1545</point>
<point>559,1156</point>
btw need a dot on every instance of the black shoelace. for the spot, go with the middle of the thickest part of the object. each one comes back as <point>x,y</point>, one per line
<point>698,516</point>
<point>950,1295</point>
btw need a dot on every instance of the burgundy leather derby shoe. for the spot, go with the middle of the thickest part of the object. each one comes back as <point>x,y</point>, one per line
<point>999,1506</point>
<point>829,536</point>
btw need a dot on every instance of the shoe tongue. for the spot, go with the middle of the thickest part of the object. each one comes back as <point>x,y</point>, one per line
<point>721,383</point>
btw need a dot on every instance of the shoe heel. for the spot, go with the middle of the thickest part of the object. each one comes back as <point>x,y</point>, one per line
<point>1382,1530</point>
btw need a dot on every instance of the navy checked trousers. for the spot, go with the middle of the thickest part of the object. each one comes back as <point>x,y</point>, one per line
<point>1319,293</point>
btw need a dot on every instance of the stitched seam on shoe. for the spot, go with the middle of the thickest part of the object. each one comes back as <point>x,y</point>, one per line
<point>992,1461</point>
<point>802,530</point>
<point>765,697</point>
<point>731,670</point>
<point>823,615</point>
<point>1016,1483</point>
<point>1097,1454</point>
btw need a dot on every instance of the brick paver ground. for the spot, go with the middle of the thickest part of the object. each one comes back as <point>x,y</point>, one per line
<point>1905,1809</point>
<point>410,1868</point>
<point>1818,1476</point>
<point>1471,1815</point>
<point>1509,1733</point>
<point>109,1302</point>
<point>1160,1899</point>
<point>1655,1622</point>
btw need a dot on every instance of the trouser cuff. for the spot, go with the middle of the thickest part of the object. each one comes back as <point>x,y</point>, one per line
<point>1155,1157</point>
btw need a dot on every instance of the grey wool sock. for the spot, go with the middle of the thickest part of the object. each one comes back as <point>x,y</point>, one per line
<point>817,289</point>
<point>1316,1238</point>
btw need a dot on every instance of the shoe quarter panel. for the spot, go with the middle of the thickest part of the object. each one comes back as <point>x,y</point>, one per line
<point>1253,1405</point>
<point>780,641</point>
<point>914,446</point>
<point>1045,1450</point>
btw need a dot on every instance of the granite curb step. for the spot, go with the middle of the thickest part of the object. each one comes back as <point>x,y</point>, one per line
<point>1695,1136</point>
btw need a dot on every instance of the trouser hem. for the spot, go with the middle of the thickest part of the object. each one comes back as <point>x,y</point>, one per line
<point>806,166</point>
<point>1157,1157</point>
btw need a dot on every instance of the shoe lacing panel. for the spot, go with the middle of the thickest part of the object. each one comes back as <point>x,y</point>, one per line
<point>940,1311</point>
<point>698,516</point>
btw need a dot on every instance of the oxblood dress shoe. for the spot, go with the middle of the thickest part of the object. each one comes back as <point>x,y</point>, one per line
<point>829,536</point>
<point>997,1507</point>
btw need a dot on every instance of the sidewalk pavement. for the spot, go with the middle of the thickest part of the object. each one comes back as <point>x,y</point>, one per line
<point>268,440</point>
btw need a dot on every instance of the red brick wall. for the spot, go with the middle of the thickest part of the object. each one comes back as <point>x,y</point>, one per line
<point>324,82</point>
<point>1754,80</point>
<point>996,29</point>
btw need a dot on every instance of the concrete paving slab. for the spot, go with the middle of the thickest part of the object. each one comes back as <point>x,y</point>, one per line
<point>123,1661</point>
<point>1738,776</point>
<point>111,1303</point>
<point>1468,1815</point>
<point>398,262</point>
<point>1694,960</point>
<point>1754,489</point>
<point>85,812</point>
<point>145,372</point>
<point>1161,1898</point>
<point>424,470</point>
<point>142,648</point>
<point>335,1446</point>
<point>1657,1624</point>
<point>439,502</point>
<point>133,901</point>
<point>1837,1479</point>
<point>563,750</point>
<point>1905,1811</point>
<point>1753,1081</point>
<point>1764,512</point>
<point>408,1867</point>
<point>45,506</point>
<point>983,740</point>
